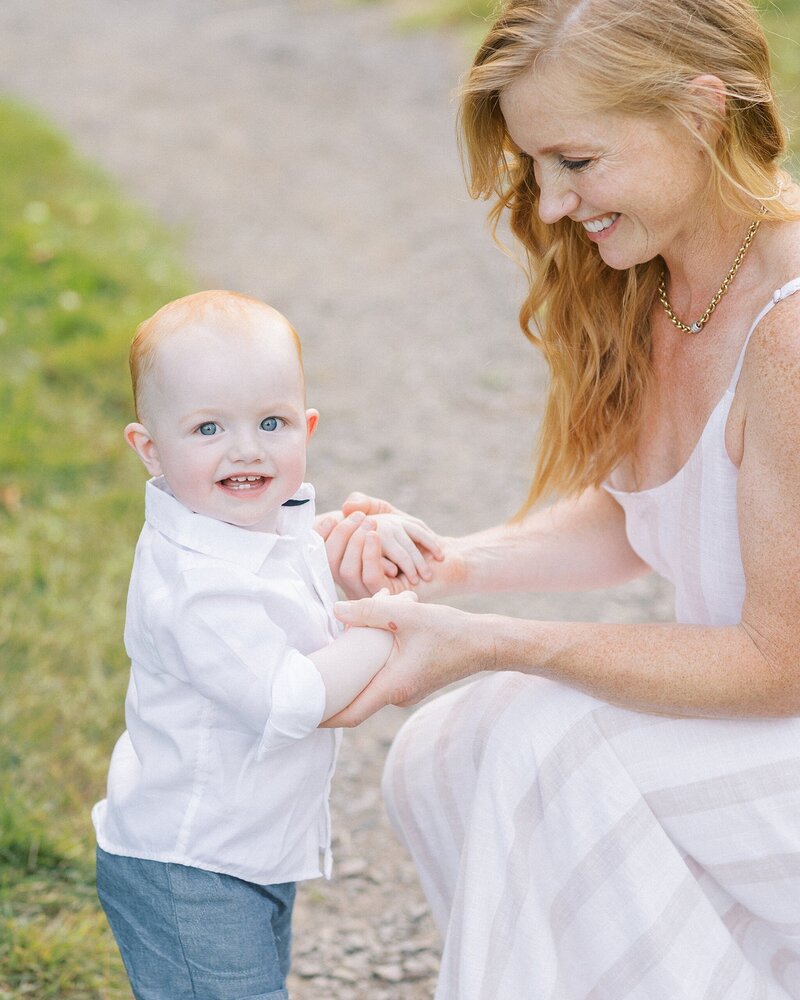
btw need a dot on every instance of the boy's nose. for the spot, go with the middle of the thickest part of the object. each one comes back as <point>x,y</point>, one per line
<point>246,448</point>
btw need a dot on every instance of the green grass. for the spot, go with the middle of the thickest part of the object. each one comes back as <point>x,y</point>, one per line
<point>79,268</point>
<point>782,23</point>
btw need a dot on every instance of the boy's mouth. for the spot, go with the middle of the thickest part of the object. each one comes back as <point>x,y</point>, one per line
<point>244,484</point>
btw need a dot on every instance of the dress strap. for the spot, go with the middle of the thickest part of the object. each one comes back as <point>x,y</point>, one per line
<point>777,296</point>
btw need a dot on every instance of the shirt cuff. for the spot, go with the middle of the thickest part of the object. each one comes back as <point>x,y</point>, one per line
<point>298,703</point>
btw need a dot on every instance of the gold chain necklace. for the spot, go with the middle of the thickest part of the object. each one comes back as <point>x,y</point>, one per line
<point>712,305</point>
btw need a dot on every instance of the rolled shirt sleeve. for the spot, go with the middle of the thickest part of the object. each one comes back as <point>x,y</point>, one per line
<point>214,633</point>
<point>298,703</point>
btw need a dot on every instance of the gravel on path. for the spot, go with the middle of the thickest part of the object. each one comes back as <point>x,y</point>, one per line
<point>306,151</point>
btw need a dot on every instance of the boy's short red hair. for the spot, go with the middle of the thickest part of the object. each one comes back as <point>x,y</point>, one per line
<point>200,307</point>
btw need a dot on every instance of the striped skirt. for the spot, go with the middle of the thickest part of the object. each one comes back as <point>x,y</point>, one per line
<point>573,850</point>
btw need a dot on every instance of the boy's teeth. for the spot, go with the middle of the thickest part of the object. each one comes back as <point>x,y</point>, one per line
<point>243,482</point>
<point>598,225</point>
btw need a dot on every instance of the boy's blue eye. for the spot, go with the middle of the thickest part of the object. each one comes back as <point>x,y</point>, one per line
<point>270,423</point>
<point>208,428</point>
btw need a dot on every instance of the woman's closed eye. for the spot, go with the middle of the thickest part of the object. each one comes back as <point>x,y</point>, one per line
<point>574,165</point>
<point>271,423</point>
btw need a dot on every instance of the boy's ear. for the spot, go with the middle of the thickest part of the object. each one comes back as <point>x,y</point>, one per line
<point>312,416</point>
<point>138,437</point>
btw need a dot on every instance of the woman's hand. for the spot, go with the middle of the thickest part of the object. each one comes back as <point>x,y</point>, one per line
<point>372,545</point>
<point>349,541</point>
<point>434,645</point>
<point>366,556</point>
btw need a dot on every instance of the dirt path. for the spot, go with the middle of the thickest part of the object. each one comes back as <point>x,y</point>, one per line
<point>307,151</point>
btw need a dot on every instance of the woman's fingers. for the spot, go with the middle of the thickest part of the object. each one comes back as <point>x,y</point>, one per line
<point>338,538</point>
<point>375,696</point>
<point>363,560</point>
<point>325,523</point>
<point>355,564</point>
<point>372,612</point>
<point>351,569</point>
<point>367,505</point>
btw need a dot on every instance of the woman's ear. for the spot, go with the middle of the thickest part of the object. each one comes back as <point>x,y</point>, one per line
<point>140,439</point>
<point>714,94</point>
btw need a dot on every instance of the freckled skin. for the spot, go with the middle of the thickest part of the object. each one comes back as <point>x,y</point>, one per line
<point>654,176</point>
<point>648,171</point>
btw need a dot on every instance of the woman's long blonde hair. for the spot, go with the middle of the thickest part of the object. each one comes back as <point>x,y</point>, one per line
<point>591,321</point>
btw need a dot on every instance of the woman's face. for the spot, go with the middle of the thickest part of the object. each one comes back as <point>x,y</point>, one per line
<point>634,185</point>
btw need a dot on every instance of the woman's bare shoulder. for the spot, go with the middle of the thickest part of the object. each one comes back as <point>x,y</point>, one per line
<point>776,334</point>
<point>772,362</point>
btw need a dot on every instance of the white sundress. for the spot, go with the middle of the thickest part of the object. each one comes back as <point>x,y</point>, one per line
<point>573,850</point>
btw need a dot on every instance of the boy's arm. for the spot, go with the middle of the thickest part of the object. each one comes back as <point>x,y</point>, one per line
<point>214,634</point>
<point>349,663</point>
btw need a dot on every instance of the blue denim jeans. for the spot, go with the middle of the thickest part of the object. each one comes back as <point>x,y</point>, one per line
<point>185,933</point>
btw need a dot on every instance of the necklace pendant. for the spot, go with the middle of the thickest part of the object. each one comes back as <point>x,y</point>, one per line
<point>695,328</point>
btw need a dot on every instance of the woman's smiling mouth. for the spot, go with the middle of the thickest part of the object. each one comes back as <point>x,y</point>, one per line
<point>598,225</point>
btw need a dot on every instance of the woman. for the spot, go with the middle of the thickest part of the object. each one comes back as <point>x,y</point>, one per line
<point>615,810</point>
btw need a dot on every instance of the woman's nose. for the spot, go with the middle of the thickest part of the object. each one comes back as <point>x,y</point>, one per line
<point>557,198</point>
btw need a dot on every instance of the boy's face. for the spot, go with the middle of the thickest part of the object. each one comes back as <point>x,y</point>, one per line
<point>226,420</point>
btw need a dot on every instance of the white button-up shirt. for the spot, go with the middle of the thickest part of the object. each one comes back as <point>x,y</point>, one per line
<point>222,765</point>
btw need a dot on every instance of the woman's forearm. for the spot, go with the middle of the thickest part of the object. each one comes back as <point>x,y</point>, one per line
<point>576,544</point>
<point>670,669</point>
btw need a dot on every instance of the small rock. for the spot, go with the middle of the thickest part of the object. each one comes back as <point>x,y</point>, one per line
<point>307,968</point>
<point>354,943</point>
<point>387,933</point>
<point>344,974</point>
<point>351,868</point>
<point>416,913</point>
<point>388,973</point>
<point>415,968</point>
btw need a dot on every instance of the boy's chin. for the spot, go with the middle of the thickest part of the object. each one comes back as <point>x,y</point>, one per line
<point>266,522</point>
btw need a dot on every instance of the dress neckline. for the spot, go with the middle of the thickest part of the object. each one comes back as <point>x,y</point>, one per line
<point>780,293</point>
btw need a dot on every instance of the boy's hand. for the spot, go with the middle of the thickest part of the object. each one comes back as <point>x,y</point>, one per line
<point>407,545</point>
<point>359,546</point>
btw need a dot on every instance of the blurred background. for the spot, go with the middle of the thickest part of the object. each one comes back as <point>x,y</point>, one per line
<point>302,151</point>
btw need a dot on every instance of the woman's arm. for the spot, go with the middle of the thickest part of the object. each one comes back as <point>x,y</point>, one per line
<point>748,669</point>
<point>576,544</point>
<point>679,670</point>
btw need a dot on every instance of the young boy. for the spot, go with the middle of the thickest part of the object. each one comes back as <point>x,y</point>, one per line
<point>218,790</point>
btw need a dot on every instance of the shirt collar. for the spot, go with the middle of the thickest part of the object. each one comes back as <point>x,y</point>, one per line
<point>221,540</point>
